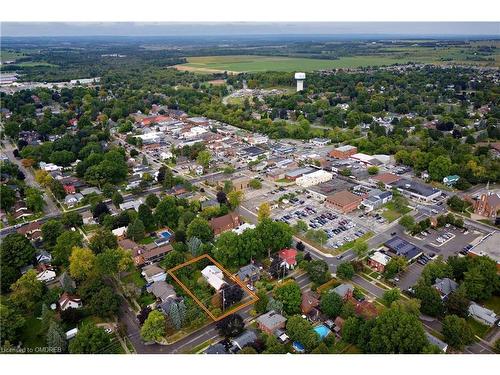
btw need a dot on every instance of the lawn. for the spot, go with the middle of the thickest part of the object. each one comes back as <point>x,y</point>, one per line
<point>251,63</point>
<point>134,277</point>
<point>479,329</point>
<point>147,241</point>
<point>493,304</point>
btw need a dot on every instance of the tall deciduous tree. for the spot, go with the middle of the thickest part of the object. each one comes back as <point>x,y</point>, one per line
<point>153,328</point>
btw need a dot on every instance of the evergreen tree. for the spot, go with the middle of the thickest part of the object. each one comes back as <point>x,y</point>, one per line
<point>175,316</point>
<point>56,338</point>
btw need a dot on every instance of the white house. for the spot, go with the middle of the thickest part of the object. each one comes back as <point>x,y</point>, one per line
<point>482,314</point>
<point>68,301</point>
<point>243,227</point>
<point>119,232</point>
<point>153,273</point>
<point>49,167</point>
<point>72,199</point>
<point>214,276</point>
<point>131,205</point>
<point>46,275</point>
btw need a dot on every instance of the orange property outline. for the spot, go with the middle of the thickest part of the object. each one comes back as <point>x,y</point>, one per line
<point>225,272</point>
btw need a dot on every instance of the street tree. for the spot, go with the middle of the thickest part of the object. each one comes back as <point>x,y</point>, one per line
<point>153,328</point>
<point>345,271</point>
<point>457,332</point>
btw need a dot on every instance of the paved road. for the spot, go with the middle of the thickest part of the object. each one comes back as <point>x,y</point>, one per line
<point>209,332</point>
<point>50,207</point>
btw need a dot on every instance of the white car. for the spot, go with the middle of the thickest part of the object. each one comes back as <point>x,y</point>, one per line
<point>109,331</point>
<point>250,287</point>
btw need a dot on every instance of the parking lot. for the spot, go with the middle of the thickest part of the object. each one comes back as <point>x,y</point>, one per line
<point>338,227</point>
<point>457,240</point>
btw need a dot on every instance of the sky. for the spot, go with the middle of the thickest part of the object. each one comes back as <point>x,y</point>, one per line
<point>20,29</point>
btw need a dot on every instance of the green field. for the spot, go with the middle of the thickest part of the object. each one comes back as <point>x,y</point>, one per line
<point>10,55</point>
<point>249,63</point>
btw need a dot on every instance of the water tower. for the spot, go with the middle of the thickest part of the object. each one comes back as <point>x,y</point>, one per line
<point>300,77</point>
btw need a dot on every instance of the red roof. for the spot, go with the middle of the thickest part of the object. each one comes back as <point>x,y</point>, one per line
<point>69,189</point>
<point>288,255</point>
<point>154,120</point>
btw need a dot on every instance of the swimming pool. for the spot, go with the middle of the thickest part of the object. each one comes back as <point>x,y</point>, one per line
<point>322,331</point>
<point>166,234</point>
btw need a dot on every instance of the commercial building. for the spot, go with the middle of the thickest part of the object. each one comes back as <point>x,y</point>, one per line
<point>314,178</point>
<point>344,201</point>
<point>343,152</point>
<point>416,190</point>
<point>386,178</point>
<point>296,173</point>
<point>488,246</point>
<point>376,200</point>
<point>401,247</point>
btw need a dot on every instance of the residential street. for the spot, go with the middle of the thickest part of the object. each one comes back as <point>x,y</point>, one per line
<point>50,207</point>
<point>198,337</point>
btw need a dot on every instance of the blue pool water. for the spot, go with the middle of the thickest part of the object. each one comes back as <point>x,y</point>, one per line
<point>166,234</point>
<point>322,331</point>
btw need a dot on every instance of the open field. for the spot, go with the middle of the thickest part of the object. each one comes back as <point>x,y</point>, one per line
<point>249,63</point>
<point>10,55</point>
<point>386,56</point>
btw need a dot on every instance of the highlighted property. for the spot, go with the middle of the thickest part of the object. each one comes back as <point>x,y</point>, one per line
<point>220,280</point>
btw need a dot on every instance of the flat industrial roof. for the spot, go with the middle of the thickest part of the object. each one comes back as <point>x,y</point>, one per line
<point>415,187</point>
<point>490,246</point>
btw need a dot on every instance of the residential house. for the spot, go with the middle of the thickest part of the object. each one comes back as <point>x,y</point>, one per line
<point>310,300</point>
<point>243,227</point>
<point>151,253</point>
<point>433,340</point>
<point>120,232</point>
<point>345,291</point>
<point>162,290</point>
<point>451,180</point>
<point>31,231</point>
<point>134,204</point>
<point>249,273</point>
<point>70,301</point>
<point>45,273</point>
<point>482,314</point>
<point>69,189</point>
<point>71,200</point>
<point>445,287</point>
<point>88,218</point>
<point>288,257</point>
<point>43,256</point>
<point>378,261</point>
<point>246,338</point>
<point>271,321</point>
<point>90,190</point>
<point>153,273</point>
<point>214,276</point>
<point>216,349</point>
<point>224,223</point>
<point>128,244</point>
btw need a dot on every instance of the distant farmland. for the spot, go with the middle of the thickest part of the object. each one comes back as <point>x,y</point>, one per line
<point>250,63</point>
